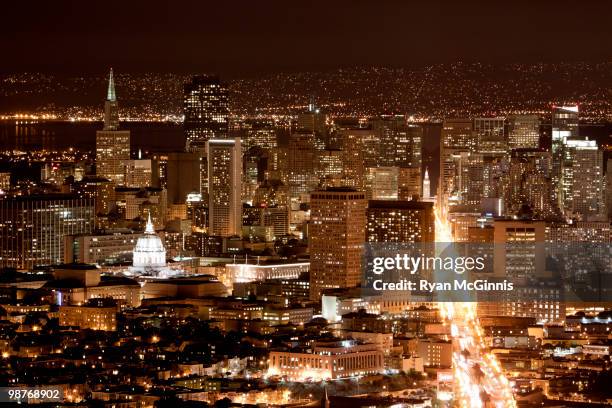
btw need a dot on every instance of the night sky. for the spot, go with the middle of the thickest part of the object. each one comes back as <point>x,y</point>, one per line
<point>242,38</point>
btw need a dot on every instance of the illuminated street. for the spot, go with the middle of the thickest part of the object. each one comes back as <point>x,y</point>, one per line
<point>479,381</point>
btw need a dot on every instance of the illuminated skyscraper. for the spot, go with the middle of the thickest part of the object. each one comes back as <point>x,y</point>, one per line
<point>101,190</point>
<point>609,187</point>
<point>329,169</point>
<point>112,145</point>
<point>582,181</point>
<point>138,173</point>
<point>5,182</point>
<point>527,181</point>
<point>314,121</point>
<point>517,254</point>
<point>224,187</point>
<point>524,132</point>
<point>354,152</point>
<point>337,235</point>
<point>564,127</point>
<point>564,122</point>
<point>111,108</point>
<point>382,183</point>
<point>261,135</point>
<point>470,188</point>
<point>409,183</point>
<point>206,109</point>
<point>489,134</point>
<point>400,221</point>
<point>301,164</point>
<point>457,137</point>
<point>399,142</point>
<point>32,228</point>
<point>458,134</point>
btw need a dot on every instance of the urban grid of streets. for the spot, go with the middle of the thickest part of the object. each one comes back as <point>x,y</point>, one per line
<point>478,377</point>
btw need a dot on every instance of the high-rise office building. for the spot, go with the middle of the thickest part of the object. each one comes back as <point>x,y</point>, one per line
<point>564,122</point>
<point>353,157</point>
<point>581,231</point>
<point>609,188</point>
<point>382,183</point>
<point>101,190</point>
<point>336,238</point>
<point>458,134</point>
<point>582,181</point>
<point>409,183</point>
<point>314,121</point>
<point>301,164</point>
<point>457,137</point>
<point>182,176</point>
<point>5,182</point>
<point>206,110</point>
<point>489,134</point>
<point>519,254</point>
<point>138,173</point>
<point>524,132</point>
<point>112,144</point>
<point>564,127</point>
<point>527,181</point>
<point>138,203</point>
<point>32,228</point>
<point>470,189</point>
<point>224,187</point>
<point>369,140</point>
<point>400,221</point>
<point>159,170</point>
<point>261,135</point>
<point>111,107</point>
<point>399,142</point>
<point>329,169</point>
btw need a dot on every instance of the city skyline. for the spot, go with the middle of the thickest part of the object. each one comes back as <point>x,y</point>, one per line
<point>322,205</point>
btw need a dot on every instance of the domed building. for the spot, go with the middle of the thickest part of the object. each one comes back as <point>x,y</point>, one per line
<point>149,256</point>
<point>149,251</point>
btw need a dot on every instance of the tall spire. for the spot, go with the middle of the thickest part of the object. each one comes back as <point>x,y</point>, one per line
<point>110,95</point>
<point>111,107</point>
<point>149,228</point>
<point>426,185</point>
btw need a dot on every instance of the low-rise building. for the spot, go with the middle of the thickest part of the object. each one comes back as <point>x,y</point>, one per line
<point>96,314</point>
<point>328,361</point>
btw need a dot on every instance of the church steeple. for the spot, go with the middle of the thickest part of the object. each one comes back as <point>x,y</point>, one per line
<point>110,95</point>
<point>111,108</point>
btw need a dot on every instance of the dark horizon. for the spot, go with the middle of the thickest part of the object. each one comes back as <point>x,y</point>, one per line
<point>242,39</point>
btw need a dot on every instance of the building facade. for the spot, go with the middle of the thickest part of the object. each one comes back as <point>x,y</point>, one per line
<point>112,144</point>
<point>33,228</point>
<point>224,187</point>
<point>206,110</point>
<point>400,221</point>
<point>337,235</point>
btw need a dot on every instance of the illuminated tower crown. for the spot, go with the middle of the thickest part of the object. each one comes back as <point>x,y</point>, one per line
<point>111,108</point>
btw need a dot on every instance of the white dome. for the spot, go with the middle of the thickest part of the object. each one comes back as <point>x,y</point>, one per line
<point>149,251</point>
